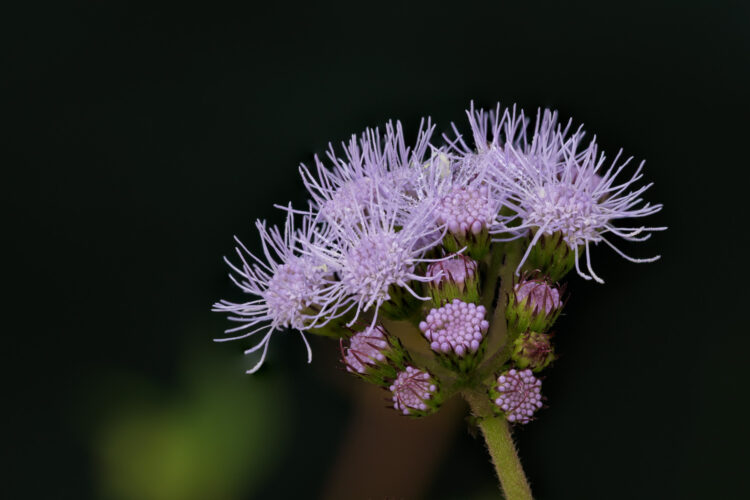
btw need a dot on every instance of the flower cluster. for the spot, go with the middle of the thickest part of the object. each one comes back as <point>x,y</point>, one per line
<point>438,266</point>
<point>464,241</point>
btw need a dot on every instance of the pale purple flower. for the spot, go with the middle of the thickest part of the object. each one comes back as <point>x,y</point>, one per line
<point>465,201</point>
<point>371,166</point>
<point>412,390</point>
<point>494,131</point>
<point>457,327</point>
<point>519,395</point>
<point>381,250</point>
<point>288,286</point>
<point>579,198</point>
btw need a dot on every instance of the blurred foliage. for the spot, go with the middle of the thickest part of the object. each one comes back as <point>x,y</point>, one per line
<point>216,436</point>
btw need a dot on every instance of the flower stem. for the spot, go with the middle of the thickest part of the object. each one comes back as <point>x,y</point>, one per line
<point>500,445</point>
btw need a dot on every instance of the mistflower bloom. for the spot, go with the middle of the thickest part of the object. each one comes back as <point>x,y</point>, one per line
<point>366,348</point>
<point>374,255</point>
<point>289,287</point>
<point>497,133</point>
<point>578,200</point>
<point>494,131</point>
<point>539,295</point>
<point>457,327</point>
<point>371,166</point>
<point>518,395</point>
<point>465,201</point>
<point>414,391</point>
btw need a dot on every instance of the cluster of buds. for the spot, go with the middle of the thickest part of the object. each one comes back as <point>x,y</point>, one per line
<point>400,238</point>
<point>533,306</point>
<point>379,358</point>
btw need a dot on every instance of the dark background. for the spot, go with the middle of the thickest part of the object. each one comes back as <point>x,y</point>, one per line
<point>139,139</point>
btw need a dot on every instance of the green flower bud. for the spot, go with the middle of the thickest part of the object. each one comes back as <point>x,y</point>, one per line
<point>533,350</point>
<point>533,304</point>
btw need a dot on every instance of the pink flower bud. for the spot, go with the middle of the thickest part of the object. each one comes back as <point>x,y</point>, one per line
<point>518,395</point>
<point>414,392</point>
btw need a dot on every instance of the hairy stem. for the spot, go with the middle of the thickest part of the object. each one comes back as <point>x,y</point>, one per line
<point>499,441</point>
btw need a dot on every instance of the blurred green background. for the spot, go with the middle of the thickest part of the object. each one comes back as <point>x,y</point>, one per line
<point>142,137</point>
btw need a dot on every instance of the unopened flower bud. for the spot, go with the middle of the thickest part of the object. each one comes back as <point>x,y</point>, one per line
<point>533,305</point>
<point>517,395</point>
<point>374,355</point>
<point>455,278</point>
<point>415,392</point>
<point>467,212</point>
<point>533,350</point>
<point>456,332</point>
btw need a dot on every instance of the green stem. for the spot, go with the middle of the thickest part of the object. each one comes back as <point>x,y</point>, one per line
<point>500,445</point>
<point>498,339</point>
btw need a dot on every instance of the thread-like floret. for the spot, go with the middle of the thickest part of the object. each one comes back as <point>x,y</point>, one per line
<point>456,327</point>
<point>466,209</point>
<point>292,288</point>
<point>541,298</point>
<point>376,262</point>
<point>344,203</point>
<point>366,348</point>
<point>289,286</point>
<point>412,390</point>
<point>569,209</point>
<point>520,395</point>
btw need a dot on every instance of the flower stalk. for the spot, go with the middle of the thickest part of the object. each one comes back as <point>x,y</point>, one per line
<point>497,435</point>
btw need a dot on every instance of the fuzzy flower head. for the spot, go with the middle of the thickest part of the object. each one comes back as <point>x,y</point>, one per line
<point>371,166</point>
<point>518,395</point>
<point>414,392</point>
<point>379,252</point>
<point>456,328</point>
<point>578,198</point>
<point>493,132</point>
<point>287,286</point>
